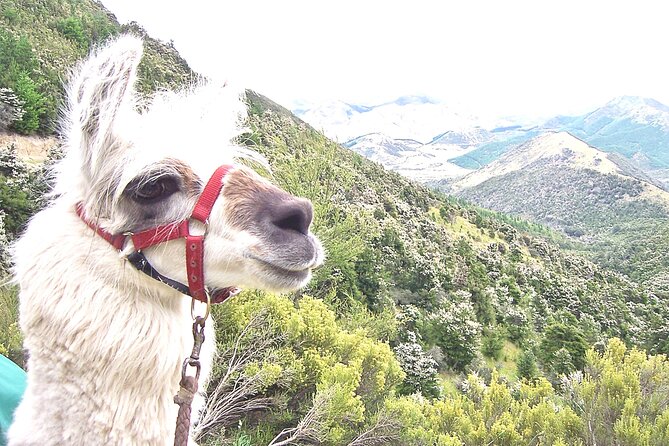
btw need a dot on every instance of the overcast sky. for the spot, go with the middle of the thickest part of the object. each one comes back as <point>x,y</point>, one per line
<point>503,57</point>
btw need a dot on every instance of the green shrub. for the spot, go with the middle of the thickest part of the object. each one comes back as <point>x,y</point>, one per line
<point>563,347</point>
<point>11,341</point>
<point>72,28</point>
<point>16,201</point>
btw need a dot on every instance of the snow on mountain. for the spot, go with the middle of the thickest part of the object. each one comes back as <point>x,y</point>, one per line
<point>463,138</point>
<point>381,148</point>
<point>425,139</point>
<point>427,164</point>
<point>333,119</point>
<point>414,135</point>
<point>409,157</point>
<point>637,109</point>
<point>409,117</point>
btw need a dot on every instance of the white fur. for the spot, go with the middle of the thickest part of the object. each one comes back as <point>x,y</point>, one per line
<point>106,342</point>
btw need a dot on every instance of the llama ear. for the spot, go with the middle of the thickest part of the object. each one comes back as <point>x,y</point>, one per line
<point>100,90</point>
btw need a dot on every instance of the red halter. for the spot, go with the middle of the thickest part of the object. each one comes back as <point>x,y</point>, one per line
<point>194,243</point>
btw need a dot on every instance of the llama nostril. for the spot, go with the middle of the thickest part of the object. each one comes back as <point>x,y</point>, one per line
<point>293,215</point>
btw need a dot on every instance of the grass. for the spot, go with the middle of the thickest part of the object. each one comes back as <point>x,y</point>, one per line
<point>448,380</point>
<point>506,365</point>
<point>462,227</point>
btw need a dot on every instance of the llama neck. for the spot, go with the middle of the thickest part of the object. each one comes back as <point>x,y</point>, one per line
<point>99,333</point>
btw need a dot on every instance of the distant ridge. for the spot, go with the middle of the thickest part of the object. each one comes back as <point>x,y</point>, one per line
<point>637,128</point>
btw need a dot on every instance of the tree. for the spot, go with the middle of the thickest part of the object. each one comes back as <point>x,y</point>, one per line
<point>11,108</point>
<point>454,328</point>
<point>492,342</point>
<point>5,259</point>
<point>563,347</point>
<point>527,365</point>
<point>15,198</point>
<point>421,370</point>
<point>16,57</point>
<point>33,105</point>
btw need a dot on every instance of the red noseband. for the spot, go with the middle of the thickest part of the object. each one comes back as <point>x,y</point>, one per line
<point>159,234</point>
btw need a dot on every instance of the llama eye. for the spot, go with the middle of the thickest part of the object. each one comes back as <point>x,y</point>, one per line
<point>155,190</point>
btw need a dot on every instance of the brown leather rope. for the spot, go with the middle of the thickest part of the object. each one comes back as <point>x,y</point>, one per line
<point>187,390</point>
<point>188,384</point>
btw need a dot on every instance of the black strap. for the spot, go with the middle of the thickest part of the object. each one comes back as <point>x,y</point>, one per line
<point>139,261</point>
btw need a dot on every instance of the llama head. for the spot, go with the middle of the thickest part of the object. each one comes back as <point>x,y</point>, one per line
<point>137,170</point>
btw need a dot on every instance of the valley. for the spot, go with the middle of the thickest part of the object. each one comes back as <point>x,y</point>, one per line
<point>599,179</point>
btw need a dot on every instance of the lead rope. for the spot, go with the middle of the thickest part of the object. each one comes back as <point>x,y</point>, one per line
<point>188,384</point>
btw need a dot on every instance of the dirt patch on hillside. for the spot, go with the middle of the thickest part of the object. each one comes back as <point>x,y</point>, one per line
<point>32,149</point>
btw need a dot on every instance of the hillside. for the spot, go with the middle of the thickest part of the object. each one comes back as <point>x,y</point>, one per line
<point>551,149</point>
<point>420,324</point>
<point>41,41</point>
<point>449,287</point>
<point>616,214</point>
<point>627,125</point>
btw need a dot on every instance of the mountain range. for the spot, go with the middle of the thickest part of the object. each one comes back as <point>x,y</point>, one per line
<point>407,117</point>
<point>449,143</point>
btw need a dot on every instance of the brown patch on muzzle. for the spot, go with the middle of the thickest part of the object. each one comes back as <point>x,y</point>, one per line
<point>254,204</point>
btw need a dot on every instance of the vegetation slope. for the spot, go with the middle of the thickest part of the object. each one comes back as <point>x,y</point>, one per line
<point>615,216</point>
<point>432,322</point>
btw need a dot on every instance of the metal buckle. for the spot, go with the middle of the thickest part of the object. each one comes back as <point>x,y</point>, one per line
<point>207,308</point>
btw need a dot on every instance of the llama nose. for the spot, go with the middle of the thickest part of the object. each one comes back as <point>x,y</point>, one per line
<point>293,214</point>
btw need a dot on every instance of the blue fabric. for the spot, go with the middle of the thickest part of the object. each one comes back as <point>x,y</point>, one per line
<point>12,386</point>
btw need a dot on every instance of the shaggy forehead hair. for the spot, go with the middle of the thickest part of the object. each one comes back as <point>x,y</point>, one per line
<point>195,125</point>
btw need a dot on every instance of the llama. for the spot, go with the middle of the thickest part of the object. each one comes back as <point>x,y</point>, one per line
<point>106,341</point>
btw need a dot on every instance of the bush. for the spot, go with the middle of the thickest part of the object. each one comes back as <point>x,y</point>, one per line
<point>15,197</point>
<point>4,248</point>
<point>11,108</point>
<point>455,330</point>
<point>624,395</point>
<point>17,206</point>
<point>563,347</point>
<point>420,369</point>
<point>11,341</point>
<point>72,28</point>
<point>16,57</point>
